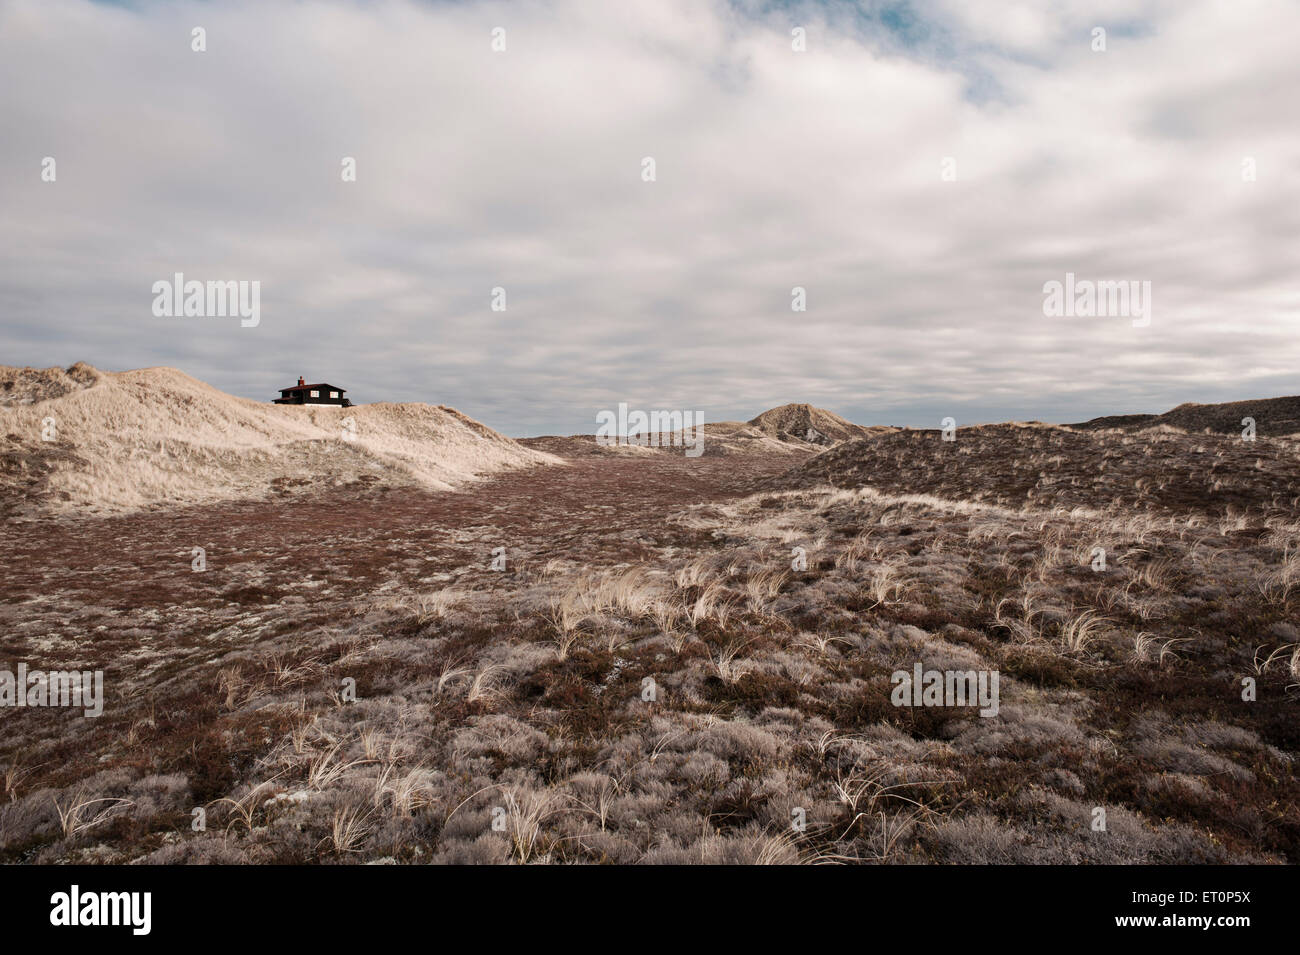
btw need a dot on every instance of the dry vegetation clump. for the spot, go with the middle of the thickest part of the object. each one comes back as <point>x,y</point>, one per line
<point>708,680</point>
<point>28,386</point>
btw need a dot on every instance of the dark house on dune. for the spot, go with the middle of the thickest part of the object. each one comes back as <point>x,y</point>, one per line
<point>318,394</point>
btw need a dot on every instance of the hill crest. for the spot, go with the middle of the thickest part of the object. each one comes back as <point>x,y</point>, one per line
<point>87,441</point>
<point>1274,417</point>
<point>804,423</point>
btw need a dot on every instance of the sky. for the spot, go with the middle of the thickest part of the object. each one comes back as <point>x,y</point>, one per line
<point>920,170</point>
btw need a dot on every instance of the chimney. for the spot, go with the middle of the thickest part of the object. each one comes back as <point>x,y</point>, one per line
<point>300,381</point>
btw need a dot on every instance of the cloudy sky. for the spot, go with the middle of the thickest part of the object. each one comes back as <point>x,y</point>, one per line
<point>774,168</point>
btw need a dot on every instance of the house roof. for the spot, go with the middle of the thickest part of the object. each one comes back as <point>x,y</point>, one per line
<point>319,384</point>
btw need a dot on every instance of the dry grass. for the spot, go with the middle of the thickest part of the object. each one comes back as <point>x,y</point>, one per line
<point>1079,632</point>
<point>516,699</point>
<point>158,436</point>
<point>78,815</point>
<point>350,828</point>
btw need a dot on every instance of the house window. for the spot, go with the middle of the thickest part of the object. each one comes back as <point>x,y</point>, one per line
<point>315,394</point>
<point>334,394</point>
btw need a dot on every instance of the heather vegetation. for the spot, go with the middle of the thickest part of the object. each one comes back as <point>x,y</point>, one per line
<point>684,661</point>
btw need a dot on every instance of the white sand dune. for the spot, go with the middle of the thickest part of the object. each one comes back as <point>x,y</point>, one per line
<point>156,436</point>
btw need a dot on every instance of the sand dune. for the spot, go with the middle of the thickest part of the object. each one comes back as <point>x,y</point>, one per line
<point>805,424</point>
<point>720,438</point>
<point>156,436</point>
<point>788,429</point>
<point>1020,464</point>
<point>1273,417</point>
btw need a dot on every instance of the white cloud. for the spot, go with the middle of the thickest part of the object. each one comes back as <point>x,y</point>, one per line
<point>775,169</point>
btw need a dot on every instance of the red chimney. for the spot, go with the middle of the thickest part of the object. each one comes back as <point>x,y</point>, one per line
<point>300,381</point>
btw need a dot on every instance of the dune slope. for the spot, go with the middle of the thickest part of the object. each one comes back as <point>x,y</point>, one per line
<point>87,441</point>
<point>1273,417</point>
<point>805,424</point>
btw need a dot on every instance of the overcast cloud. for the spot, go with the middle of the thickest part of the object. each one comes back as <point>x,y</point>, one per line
<point>775,168</point>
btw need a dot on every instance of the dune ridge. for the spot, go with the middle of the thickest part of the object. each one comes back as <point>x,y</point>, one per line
<point>156,436</point>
